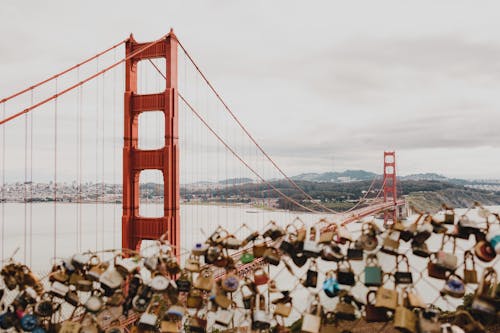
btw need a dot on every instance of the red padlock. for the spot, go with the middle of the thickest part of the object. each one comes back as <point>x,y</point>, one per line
<point>260,276</point>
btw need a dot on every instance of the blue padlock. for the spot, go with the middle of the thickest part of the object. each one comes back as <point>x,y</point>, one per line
<point>331,286</point>
<point>29,322</point>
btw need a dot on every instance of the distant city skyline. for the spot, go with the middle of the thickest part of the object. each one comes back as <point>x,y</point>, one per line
<point>323,86</point>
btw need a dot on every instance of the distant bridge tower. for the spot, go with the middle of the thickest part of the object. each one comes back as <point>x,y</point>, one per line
<point>136,228</point>
<point>390,189</point>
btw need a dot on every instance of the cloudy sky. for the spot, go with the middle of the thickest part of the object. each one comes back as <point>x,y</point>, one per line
<point>323,85</point>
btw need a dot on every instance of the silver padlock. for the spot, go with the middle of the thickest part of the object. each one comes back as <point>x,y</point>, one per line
<point>224,317</point>
<point>311,323</point>
<point>261,319</point>
<point>126,266</point>
<point>159,283</point>
<point>111,279</point>
<point>149,319</point>
<point>59,289</point>
<point>311,245</point>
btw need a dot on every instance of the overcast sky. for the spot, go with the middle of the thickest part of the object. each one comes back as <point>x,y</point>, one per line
<point>322,85</point>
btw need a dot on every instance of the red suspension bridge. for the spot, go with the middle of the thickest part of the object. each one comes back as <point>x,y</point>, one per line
<point>69,125</point>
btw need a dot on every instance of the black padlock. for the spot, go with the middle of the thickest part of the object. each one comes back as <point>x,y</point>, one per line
<point>403,277</point>
<point>312,276</point>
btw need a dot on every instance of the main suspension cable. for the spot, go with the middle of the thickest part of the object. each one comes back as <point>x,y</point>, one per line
<point>62,73</point>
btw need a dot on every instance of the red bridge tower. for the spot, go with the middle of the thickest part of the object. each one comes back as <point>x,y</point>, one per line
<point>390,189</point>
<point>136,228</point>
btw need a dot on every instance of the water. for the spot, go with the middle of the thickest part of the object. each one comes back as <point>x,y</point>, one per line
<point>101,229</point>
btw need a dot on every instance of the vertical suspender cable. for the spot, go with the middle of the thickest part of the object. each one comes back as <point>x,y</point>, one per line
<point>114,154</point>
<point>55,174</point>
<point>103,155</point>
<point>77,132</point>
<point>25,237</point>
<point>3,185</point>
<point>96,187</point>
<point>31,182</point>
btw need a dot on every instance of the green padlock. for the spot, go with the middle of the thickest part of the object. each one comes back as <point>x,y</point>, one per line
<point>373,271</point>
<point>247,258</point>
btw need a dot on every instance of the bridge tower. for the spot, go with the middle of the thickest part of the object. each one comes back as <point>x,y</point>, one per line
<point>390,189</point>
<point>136,228</point>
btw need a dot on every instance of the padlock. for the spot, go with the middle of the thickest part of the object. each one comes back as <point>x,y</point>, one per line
<point>288,245</point>
<point>94,303</point>
<point>29,321</point>
<point>423,232</point>
<point>464,320</point>
<point>224,317</point>
<point>248,294</point>
<point>387,298</point>
<point>95,272</point>
<point>331,252</point>
<point>151,262</point>
<point>8,318</point>
<point>260,277</point>
<point>169,326</point>
<point>445,259</point>
<point>405,232</point>
<point>70,327</point>
<point>58,274</point>
<point>149,319</point>
<point>45,306</point>
<point>488,285</point>
<point>194,299</point>
<point>311,321</point>
<point>261,318</point>
<point>331,286</point>
<point>484,251</point>
<point>126,266</point>
<point>368,239</point>
<point>199,249</point>
<point>259,247</point>
<point>493,238</point>
<point>171,263</point>
<point>411,299</point>
<point>311,280</point>
<point>274,231</point>
<point>72,298</point>
<point>428,323</point>
<point>434,270</point>
<point>326,234</point>
<point>58,289</point>
<point>247,258</point>
<point>197,324</point>
<point>449,215</point>
<point>345,274</point>
<point>454,286</point>
<point>373,313</point>
<point>141,301</point>
<point>345,309</point>
<point>272,256</point>
<point>230,282</point>
<point>330,324</point>
<point>110,280</point>
<point>299,258</point>
<point>192,264</point>
<point>373,271</point>
<point>205,280</point>
<point>420,249</point>
<point>311,248</point>
<point>343,235</point>
<point>81,260</point>
<point>231,242</point>
<point>284,308</point>
<point>31,280</point>
<point>391,242</point>
<point>176,312</point>
<point>405,319</point>
<point>403,277</point>
<point>354,253</point>
<point>159,283</point>
<point>184,281</point>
